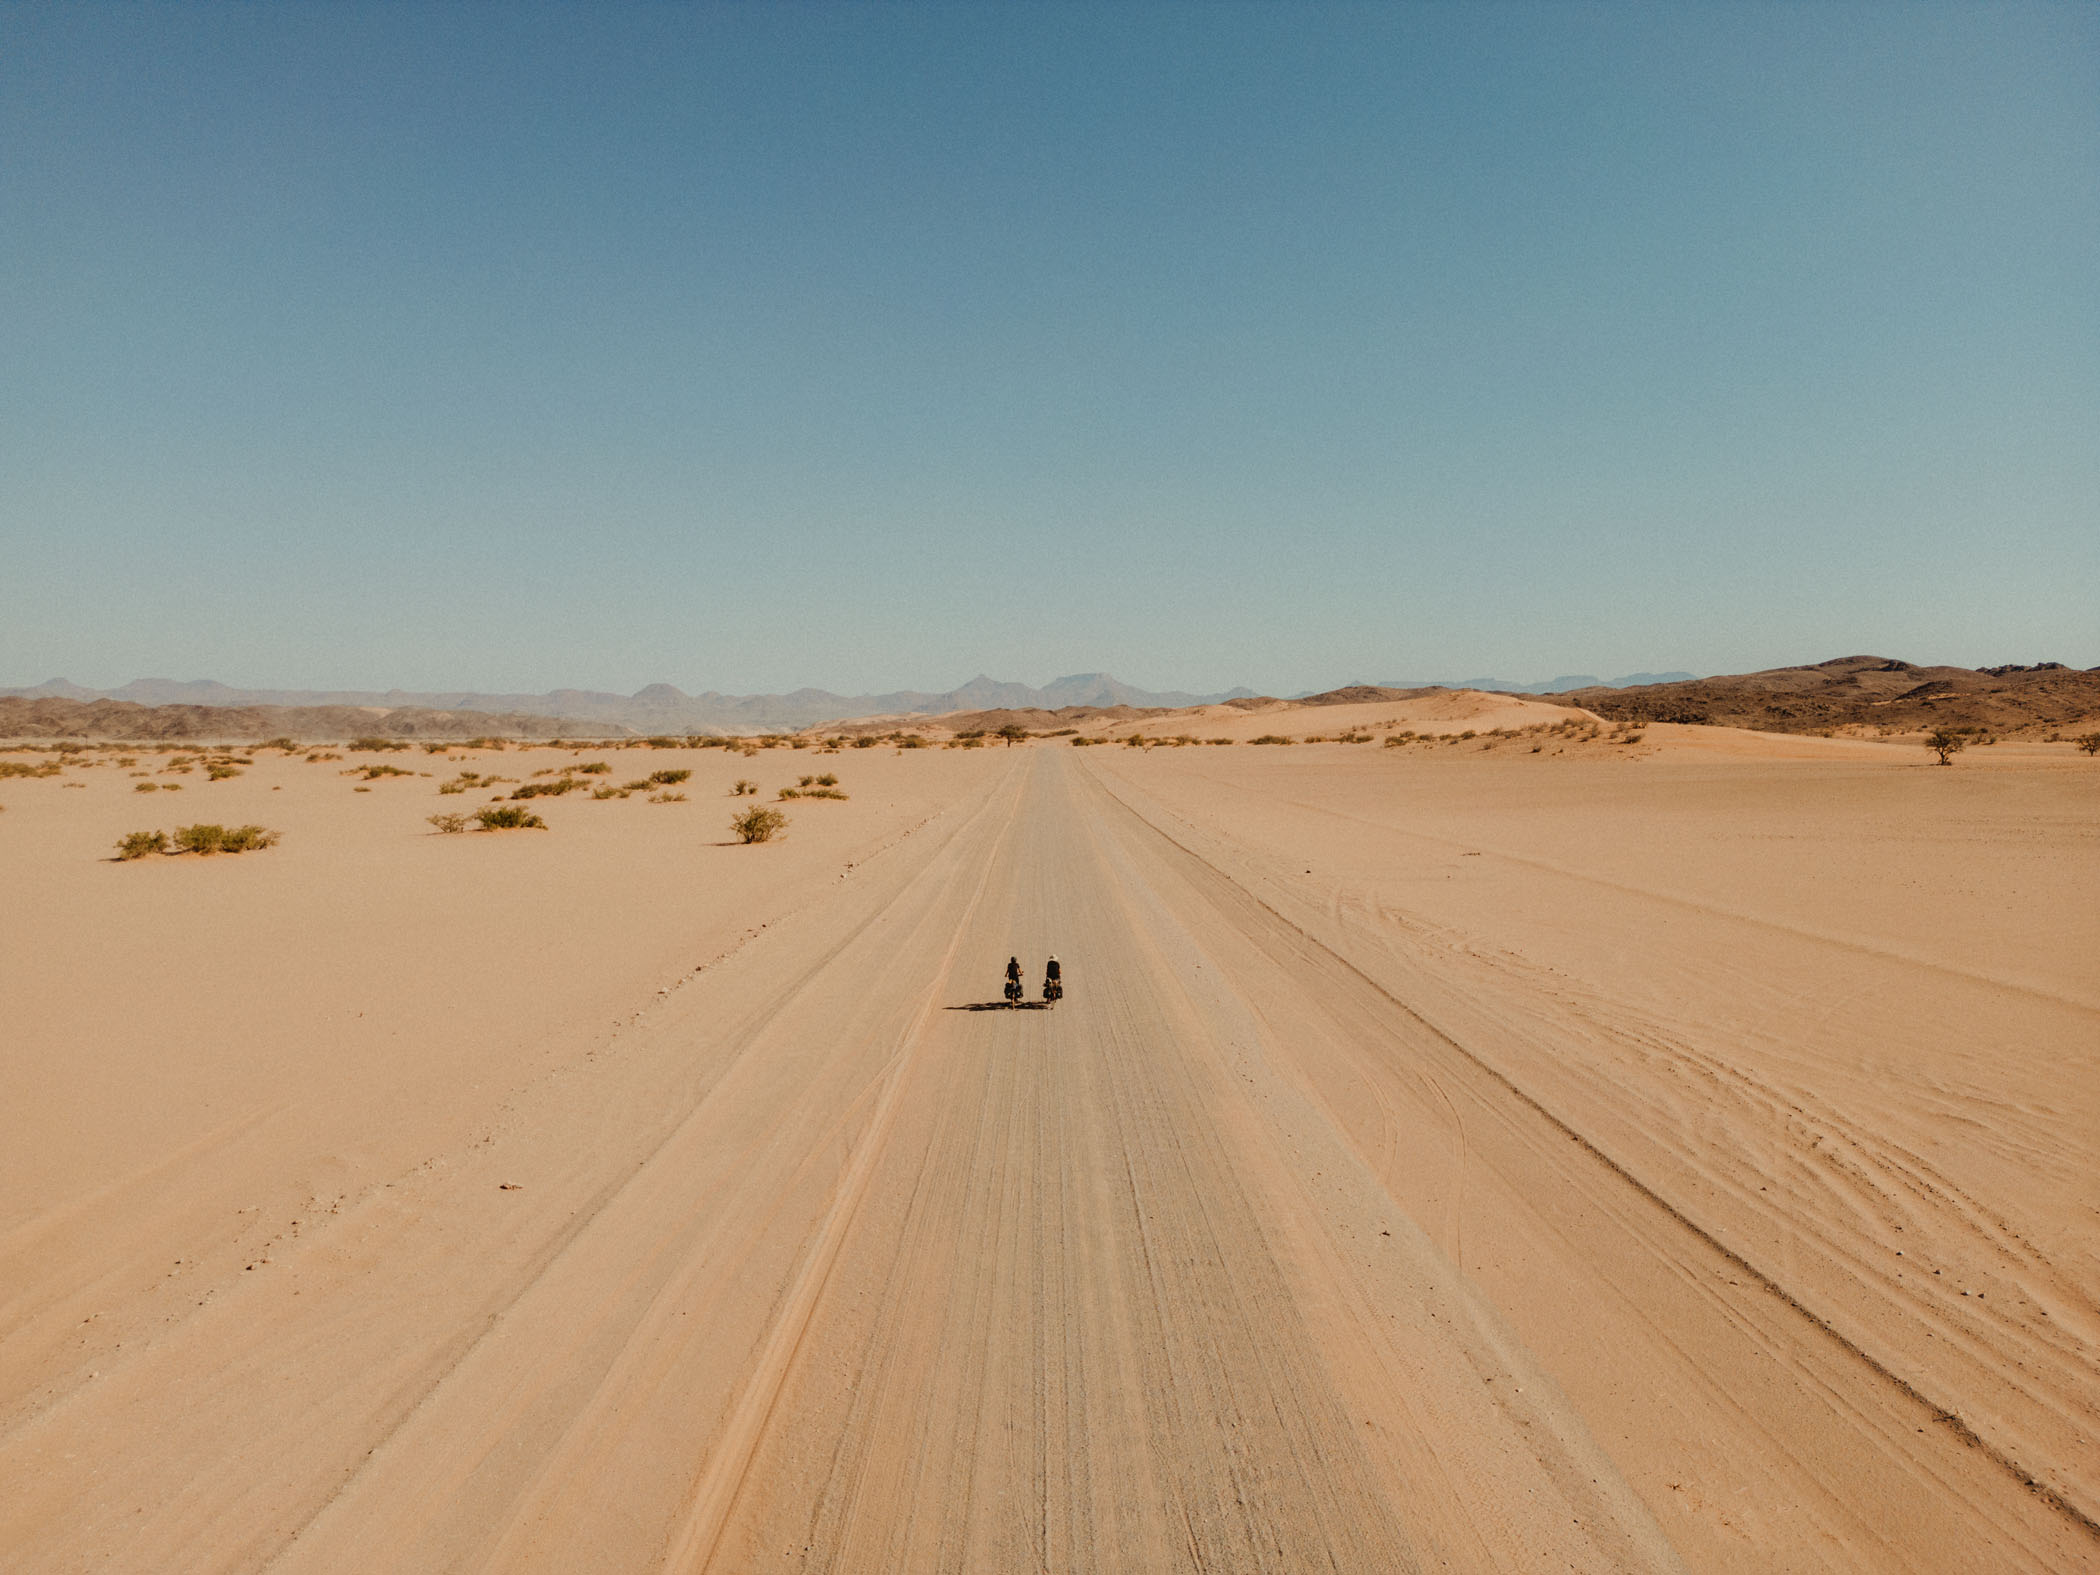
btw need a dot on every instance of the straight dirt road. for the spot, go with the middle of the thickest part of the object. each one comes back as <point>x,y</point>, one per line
<point>828,1262</point>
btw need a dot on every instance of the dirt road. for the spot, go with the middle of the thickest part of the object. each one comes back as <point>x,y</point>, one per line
<point>826,1262</point>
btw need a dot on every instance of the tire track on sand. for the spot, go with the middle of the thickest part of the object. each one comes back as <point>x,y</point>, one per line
<point>692,1548</point>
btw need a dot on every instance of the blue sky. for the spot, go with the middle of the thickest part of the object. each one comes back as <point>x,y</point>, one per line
<point>871,346</point>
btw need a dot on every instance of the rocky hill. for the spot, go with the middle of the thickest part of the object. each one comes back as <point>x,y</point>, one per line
<point>1865,693</point>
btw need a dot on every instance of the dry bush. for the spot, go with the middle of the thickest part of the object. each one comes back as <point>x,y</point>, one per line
<point>758,824</point>
<point>207,839</point>
<point>145,787</point>
<point>593,768</point>
<point>138,844</point>
<point>374,773</point>
<point>449,824</point>
<point>373,746</point>
<point>668,778</point>
<point>507,817</point>
<point>666,796</point>
<point>2089,742</point>
<point>866,741</point>
<point>217,773</point>
<point>22,768</point>
<point>1270,738</point>
<point>743,787</point>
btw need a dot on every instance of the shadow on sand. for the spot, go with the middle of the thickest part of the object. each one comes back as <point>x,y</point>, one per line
<point>1002,1006</point>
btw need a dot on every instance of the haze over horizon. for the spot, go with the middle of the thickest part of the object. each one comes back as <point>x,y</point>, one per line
<point>864,348</point>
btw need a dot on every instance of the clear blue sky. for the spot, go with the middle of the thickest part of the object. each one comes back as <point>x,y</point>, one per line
<point>869,346</point>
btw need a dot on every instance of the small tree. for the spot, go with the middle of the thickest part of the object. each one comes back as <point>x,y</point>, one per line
<point>1946,743</point>
<point>2090,743</point>
<point>1013,733</point>
<point>758,824</point>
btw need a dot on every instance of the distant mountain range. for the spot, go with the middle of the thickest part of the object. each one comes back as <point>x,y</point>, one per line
<point>1550,686</point>
<point>658,708</point>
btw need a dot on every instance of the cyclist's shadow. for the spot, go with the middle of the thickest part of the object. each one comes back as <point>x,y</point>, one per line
<point>1001,1006</point>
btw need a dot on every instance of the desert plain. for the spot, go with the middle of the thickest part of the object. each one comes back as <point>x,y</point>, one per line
<point>1523,1145</point>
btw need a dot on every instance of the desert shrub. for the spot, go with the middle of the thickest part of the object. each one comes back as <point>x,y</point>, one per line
<point>609,791</point>
<point>638,785</point>
<point>1352,738</point>
<point>1314,738</point>
<point>145,787</point>
<point>823,792</point>
<point>2089,742</point>
<point>221,773</point>
<point>137,844</point>
<point>377,745</point>
<point>969,743</point>
<point>593,768</point>
<point>660,742</point>
<point>452,787</point>
<point>800,743</point>
<point>743,787</point>
<point>975,732</point>
<point>488,743</point>
<point>22,768</point>
<point>208,839</point>
<point>758,824</point>
<point>910,741</point>
<point>667,778</point>
<point>506,817</point>
<point>374,773</point>
<point>866,741</point>
<point>1083,743</point>
<point>1134,741</point>
<point>788,792</point>
<point>1946,742</point>
<point>554,789</point>
<point>434,747</point>
<point>666,796</point>
<point>829,779</point>
<point>285,744</point>
<point>449,824</point>
<point>1270,738</point>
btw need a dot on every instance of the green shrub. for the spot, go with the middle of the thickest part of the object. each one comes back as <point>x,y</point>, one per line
<point>866,741</point>
<point>829,779</point>
<point>1270,738</point>
<point>145,787</point>
<point>507,817</point>
<point>138,844</point>
<point>208,839</point>
<point>910,741</point>
<point>221,773</point>
<point>593,768</point>
<point>449,824</point>
<point>667,778</point>
<point>758,824</point>
<point>554,789</point>
<point>788,792</point>
<point>372,746</point>
<point>823,792</point>
<point>22,768</point>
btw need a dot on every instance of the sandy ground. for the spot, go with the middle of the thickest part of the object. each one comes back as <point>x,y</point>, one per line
<point>1624,1156</point>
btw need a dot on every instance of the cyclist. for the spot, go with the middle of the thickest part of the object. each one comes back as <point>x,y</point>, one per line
<point>1013,978</point>
<point>1053,978</point>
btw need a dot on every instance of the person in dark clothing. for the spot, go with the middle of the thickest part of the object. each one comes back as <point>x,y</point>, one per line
<point>1013,979</point>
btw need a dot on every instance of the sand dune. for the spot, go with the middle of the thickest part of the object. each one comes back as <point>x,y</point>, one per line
<point>1445,1158</point>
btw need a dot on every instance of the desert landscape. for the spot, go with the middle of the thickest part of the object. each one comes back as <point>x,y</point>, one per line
<point>1479,1133</point>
